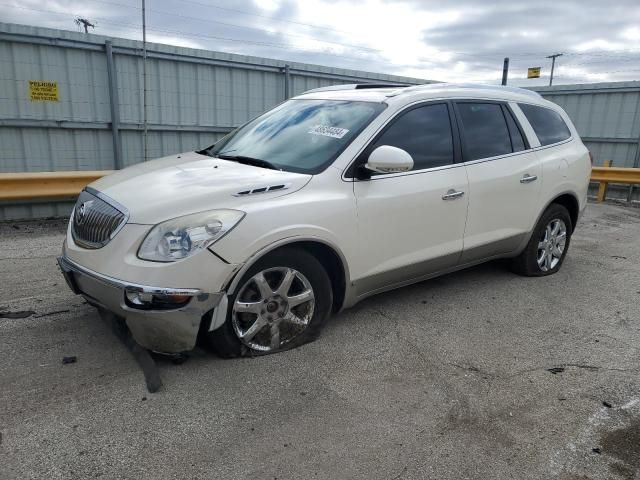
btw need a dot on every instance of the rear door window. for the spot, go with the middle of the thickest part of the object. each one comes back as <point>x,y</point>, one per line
<point>548,124</point>
<point>485,130</point>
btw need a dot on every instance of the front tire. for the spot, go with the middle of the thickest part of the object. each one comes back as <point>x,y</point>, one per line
<point>548,246</point>
<point>281,302</point>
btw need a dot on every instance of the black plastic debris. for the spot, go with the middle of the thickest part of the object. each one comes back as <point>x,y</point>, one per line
<point>607,404</point>
<point>142,355</point>
<point>19,314</point>
<point>596,450</point>
<point>556,370</point>
<point>70,359</point>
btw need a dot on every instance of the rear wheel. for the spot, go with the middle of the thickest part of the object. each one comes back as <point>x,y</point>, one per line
<point>281,302</point>
<point>548,246</point>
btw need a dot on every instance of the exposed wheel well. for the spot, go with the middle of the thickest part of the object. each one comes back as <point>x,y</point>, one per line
<point>569,202</point>
<point>331,261</point>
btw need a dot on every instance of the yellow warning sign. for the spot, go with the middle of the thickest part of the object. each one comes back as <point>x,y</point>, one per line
<point>533,72</point>
<point>41,91</point>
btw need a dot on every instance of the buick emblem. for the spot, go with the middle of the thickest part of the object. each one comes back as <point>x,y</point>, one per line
<point>82,211</point>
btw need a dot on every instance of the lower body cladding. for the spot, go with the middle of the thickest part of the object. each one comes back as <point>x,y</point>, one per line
<point>165,320</point>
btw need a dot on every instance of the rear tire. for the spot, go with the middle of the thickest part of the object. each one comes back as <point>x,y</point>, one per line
<point>548,245</point>
<point>267,316</point>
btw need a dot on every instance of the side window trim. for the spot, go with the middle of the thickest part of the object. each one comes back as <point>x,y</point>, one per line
<point>525,126</point>
<point>350,171</point>
<point>504,105</point>
<point>506,110</point>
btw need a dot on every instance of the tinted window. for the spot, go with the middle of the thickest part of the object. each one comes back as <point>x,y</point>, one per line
<point>485,130</point>
<point>517,141</point>
<point>548,125</point>
<point>424,132</point>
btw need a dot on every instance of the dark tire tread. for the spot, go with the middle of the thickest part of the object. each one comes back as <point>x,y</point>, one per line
<point>525,264</point>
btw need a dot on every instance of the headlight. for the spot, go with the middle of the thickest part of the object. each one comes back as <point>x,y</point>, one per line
<point>183,236</point>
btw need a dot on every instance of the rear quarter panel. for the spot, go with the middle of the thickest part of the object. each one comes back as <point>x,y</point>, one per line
<point>566,166</point>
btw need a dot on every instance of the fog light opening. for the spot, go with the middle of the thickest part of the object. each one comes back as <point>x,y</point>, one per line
<point>149,301</point>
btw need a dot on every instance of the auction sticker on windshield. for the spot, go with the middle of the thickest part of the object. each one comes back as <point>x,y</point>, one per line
<point>335,132</point>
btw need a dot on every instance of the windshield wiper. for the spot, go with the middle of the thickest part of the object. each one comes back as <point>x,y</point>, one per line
<point>256,162</point>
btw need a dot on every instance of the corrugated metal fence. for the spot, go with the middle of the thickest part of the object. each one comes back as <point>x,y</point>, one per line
<point>607,116</point>
<point>194,97</point>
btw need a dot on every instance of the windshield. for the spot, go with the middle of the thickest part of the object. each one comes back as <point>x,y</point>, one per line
<point>302,136</point>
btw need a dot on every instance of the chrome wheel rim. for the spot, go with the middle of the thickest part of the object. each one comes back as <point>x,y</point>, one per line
<point>272,308</point>
<point>552,244</point>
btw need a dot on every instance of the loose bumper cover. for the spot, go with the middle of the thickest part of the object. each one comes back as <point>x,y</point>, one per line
<point>167,330</point>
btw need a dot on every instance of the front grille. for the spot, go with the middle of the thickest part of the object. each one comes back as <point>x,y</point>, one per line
<point>95,221</point>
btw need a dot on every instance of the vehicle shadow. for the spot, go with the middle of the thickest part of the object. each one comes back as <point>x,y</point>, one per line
<point>494,271</point>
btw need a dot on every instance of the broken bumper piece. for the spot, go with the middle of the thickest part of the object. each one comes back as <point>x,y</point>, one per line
<point>161,319</point>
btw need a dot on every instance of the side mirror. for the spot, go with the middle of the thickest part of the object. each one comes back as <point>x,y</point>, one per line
<point>388,159</point>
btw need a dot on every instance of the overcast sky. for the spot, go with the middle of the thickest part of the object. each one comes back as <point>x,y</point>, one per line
<point>465,40</point>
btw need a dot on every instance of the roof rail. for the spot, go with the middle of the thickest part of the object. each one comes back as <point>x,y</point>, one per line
<point>357,86</point>
<point>481,86</point>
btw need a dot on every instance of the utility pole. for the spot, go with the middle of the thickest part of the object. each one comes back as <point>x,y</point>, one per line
<point>553,64</point>
<point>85,23</point>
<point>144,82</point>
<point>505,70</point>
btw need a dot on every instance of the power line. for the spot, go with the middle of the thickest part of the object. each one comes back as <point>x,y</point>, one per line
<point>623,55</point>
<point>246,27</point>
<point>342,44</point>
<point>234,25</point>
<point>244,12</point>
<point>289,47</point>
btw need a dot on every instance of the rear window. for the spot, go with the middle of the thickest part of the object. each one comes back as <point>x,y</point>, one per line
<point>548,125</point>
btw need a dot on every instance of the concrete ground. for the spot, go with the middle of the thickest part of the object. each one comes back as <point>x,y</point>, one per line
<point>479,374</point>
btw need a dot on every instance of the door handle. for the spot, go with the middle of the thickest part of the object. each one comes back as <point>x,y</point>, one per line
<point>452,194</point>
<point>528,178</point>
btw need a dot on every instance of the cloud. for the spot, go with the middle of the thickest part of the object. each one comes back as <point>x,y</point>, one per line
<point>464,40</point>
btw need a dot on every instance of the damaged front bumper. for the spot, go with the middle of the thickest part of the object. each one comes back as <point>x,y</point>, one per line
<point>154,321</point>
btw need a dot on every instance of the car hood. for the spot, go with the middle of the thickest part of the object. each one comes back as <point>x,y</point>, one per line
<point>186,183</point>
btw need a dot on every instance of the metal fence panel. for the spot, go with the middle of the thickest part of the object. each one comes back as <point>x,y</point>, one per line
<point>81,77</point>
<point>194,97</point>
<point>607,116</point>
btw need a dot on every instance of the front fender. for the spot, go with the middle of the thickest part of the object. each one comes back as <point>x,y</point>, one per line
<point>233,281</point>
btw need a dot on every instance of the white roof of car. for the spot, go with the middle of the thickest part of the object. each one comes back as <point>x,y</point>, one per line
<point>408,94</point>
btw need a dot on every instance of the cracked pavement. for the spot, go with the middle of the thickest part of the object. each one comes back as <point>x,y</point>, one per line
<point>478,374</point>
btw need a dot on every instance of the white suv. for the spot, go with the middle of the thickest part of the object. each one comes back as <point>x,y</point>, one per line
<point>331,197</point>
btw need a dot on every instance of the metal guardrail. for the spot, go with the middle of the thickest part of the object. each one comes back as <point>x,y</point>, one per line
<point>608,174</point>
<point>46,185</point>
<point>58,185</point>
